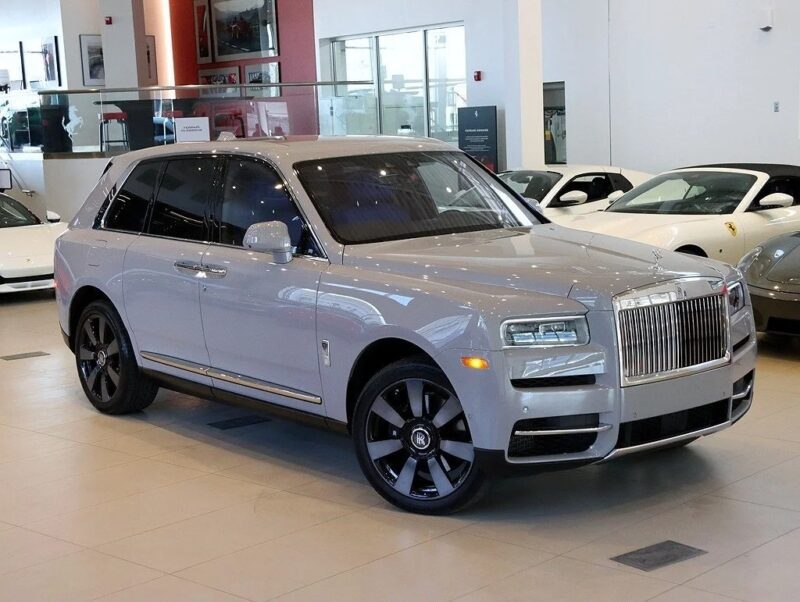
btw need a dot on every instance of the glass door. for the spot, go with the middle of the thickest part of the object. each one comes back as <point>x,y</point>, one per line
<point>447,81</point>
<point>402,77</point>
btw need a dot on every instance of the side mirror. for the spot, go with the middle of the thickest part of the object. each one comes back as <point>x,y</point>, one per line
<point>776,200</point>
<point>615,196</point>
<point>535,204</point>
<point>270,237</point>
<point>574,197</point>
<point>53,217</point>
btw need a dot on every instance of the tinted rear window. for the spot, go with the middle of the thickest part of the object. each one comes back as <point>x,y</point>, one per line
<point>180,207</point>
<point>129,208</point>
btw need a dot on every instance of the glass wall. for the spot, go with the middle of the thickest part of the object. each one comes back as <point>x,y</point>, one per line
<point>422,76</point>
<point>352,108</point>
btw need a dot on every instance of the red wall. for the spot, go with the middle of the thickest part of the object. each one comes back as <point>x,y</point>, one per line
<point>297,56</point>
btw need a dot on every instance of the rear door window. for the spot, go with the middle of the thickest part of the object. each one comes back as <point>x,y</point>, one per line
<point>180,207</point>
<point>129,209</point>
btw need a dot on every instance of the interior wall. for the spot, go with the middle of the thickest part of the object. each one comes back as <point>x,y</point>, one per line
<point>691,82</point>
<point>492,31</point>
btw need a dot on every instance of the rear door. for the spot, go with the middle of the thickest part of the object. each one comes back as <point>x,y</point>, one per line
<point>163,270</point>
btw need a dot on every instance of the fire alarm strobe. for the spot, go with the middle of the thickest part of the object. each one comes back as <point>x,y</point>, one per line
<point>109,20</point>
<point>477,75</point>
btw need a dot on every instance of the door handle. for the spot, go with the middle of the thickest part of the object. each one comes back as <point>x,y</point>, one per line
<point>215,271</point>
<point>189,268</point>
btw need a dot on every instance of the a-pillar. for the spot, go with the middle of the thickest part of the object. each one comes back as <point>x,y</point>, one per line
<point>124,44</point>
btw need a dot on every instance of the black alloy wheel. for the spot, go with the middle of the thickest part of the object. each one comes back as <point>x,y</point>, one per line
<point>414,442</point>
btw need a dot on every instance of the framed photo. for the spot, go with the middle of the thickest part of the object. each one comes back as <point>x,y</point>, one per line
<point>202,32</point>
<point>219,77</point>
<point>94,70</point>
<point>263,73</point>
<point>52,62</point>
<point>152,65</point>
<point>244,29</point>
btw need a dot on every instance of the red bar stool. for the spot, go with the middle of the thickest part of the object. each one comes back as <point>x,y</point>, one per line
<point>119,117</point>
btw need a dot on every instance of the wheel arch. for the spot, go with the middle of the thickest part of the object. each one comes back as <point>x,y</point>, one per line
<point>83,297</point>
<point>375,356</point>
<point>692,249</point>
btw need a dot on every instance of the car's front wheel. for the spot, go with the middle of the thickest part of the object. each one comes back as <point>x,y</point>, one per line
<point>413,441</point>
<point>107,365</point>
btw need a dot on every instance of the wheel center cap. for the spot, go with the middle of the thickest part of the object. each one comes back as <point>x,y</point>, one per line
<point>420,439</point>
<point>101,358</point>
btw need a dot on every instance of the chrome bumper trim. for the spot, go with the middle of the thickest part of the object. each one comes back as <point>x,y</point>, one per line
<point>624,451</point>
<point>743,394</point>
<point>580,431</point>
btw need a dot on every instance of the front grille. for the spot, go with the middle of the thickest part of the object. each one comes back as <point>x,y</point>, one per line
<point>657,428</point>
<point>25,279</point>
<point>660,339</point>
<point>522,446</point>
<point>554,381</point>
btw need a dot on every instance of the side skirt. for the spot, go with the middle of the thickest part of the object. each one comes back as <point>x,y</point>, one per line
<point>187,387</point>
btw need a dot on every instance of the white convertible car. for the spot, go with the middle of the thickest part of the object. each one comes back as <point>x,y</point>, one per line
<point>717,211</point>
<point>27,245</point>
<point>566,190</point>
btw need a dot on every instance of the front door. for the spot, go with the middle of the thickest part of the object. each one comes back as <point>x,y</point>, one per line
<point>259,316</point>
<point>163,274</point>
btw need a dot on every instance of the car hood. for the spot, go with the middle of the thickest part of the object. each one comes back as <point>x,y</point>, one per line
<point>34,243</point>
<point>631,225</point>
<point>777,267</point>
<point>547,259</point>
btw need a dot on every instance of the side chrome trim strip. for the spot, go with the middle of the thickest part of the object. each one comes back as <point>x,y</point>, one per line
<point>593,429</point>
<point>236,379</point>
<point>260,385</point>
<point>624,451</point>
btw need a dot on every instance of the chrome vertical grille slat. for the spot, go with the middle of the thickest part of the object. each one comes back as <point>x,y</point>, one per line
<point>661,339</point>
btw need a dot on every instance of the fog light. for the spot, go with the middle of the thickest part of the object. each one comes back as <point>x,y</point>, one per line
<point>475,362</point>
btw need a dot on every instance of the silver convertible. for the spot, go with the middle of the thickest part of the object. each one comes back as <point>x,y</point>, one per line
<point>394,289</point>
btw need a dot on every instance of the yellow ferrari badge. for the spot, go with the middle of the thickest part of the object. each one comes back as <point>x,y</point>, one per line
<point>731,228</point>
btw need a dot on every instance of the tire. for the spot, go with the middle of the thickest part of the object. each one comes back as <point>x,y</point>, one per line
<point>107,366</point>
<point>413,442</point>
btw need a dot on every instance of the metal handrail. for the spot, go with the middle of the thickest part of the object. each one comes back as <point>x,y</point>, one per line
<point>202,87</point>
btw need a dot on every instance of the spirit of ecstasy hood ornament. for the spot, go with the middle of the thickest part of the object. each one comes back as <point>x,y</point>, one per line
<point>657,255</point>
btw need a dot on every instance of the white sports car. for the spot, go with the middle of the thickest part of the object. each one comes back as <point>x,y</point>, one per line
<point>717,211</point>
<point>565,190</point>
<point>26,247</point>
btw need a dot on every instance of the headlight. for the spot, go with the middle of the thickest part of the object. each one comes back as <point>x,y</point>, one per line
<point>747,261</point>
<point>736,297</point>
<point>546,332</point>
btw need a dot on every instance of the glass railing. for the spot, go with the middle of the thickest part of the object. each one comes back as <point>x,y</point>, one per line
<point>116,120</point>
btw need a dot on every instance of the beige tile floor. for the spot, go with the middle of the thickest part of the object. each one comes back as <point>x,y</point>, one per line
<point>160,506</point>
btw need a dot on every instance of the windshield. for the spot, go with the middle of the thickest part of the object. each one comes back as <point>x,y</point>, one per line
<point>14,213</point>
<point>687,193</point>
<point>373,198</point>
<point>531,184</point>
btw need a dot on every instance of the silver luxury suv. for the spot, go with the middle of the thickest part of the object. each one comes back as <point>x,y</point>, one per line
<point>394,289</point>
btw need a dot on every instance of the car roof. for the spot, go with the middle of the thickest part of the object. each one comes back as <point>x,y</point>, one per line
<point>570,170</point>
<point>771,169</point>
<point>293,149</point>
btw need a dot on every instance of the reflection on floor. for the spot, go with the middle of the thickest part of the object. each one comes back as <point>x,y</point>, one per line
<point>162,506</point>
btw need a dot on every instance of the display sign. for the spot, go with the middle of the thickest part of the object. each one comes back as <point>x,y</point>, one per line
<point>477,134</point>
<point>192,129</point>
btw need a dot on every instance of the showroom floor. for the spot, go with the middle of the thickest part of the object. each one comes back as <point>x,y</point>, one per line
<point>163,506</point>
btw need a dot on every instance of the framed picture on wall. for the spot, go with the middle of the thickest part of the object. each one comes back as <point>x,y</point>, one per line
<point>152,65</point>
<point>202,31</point>
<point>263,73</point>
<point>219,77</point>
<point>52,63</point>
<point>94,70</point>
<point>244,29</point>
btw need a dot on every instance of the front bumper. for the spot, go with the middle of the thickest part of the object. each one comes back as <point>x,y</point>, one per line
<point>776,311</point>
<point>587,417</point>
<point>26,283</point>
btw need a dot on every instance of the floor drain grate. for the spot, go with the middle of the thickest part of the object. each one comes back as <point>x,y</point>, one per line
<point>658,555</point>
<point>235,423</point>
<point>23,356</point>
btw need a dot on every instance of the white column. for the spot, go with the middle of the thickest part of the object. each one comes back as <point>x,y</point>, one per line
<point>124,51</point>
<point>524,108</point>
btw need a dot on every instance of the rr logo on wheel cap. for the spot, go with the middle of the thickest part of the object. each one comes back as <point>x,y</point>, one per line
<point>420,438</point>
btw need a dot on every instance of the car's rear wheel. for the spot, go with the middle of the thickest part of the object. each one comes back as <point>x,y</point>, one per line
<point>413,441</point>
<point>107,365</point>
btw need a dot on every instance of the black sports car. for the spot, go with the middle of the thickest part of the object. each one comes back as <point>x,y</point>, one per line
<point>772,271</point>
